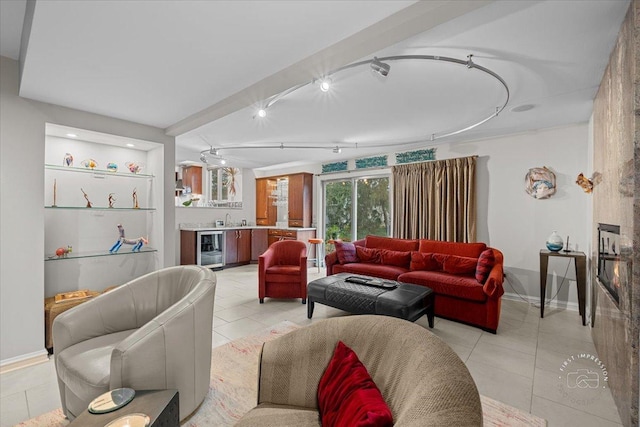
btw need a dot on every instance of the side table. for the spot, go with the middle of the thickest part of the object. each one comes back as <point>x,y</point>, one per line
<point>162,407</point>
<point>53,309</point>
<point>580,261</point>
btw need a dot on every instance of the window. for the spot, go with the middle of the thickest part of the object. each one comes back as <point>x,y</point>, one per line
<point>356,207</point>
<point>218,179</point>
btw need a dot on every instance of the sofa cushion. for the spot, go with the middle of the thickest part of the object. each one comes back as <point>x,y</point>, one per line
<point>396,258</point>
<point>390,243</point>
<point>464,287</point>
<point>486,261</point>
<point>347,396</point>
<point>452,248</point>
<point>368,255</point>
<point>459,265</point>
<point>382,271</point>
<point>346,252</point>
<point>85,367</point>
<point>424,261</point>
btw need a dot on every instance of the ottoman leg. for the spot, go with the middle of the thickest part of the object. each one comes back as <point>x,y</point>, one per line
<point>310,305</point>
<point>430,309</point>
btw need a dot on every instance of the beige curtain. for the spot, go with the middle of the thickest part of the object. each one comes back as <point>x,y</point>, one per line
<point>435,200</point>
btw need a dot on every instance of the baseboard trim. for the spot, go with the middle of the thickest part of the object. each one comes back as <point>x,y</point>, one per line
<point>23,361</point>
<point>567,305</point>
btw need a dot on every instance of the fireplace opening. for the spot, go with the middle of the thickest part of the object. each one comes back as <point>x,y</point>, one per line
<point>609,251</point>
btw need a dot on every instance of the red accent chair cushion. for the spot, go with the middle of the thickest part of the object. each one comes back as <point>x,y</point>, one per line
<point>347,396</point>
<point>486,261</point>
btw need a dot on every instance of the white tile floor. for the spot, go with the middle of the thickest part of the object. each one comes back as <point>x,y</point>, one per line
<point>519,366</point>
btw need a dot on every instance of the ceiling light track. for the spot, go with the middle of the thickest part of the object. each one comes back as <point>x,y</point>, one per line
<point>381,67</point>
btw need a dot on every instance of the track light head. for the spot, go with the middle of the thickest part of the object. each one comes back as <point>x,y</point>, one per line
<point>213,151</point>
<point>203,158</point>
<point>337,150</point>
<point>380,67</point>
<point>325,84</point>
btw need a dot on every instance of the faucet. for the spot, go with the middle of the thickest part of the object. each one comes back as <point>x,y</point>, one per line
<point>227,220</point>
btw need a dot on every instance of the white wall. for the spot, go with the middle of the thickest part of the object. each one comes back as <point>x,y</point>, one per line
<point>22,137</point>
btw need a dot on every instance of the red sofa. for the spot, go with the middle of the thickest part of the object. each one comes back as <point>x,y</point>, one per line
<point>450,269</point>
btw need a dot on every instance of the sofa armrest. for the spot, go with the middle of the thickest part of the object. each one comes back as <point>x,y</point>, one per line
<point>330,260</point>
<point>108,313</point>
<point>493,285</point>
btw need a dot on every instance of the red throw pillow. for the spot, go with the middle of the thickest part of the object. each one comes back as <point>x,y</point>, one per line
<point>347,396</point>
<point>486,261</point>
<point>369,255</point>
<point>396,258</point>
<point>459,264</point>
<point>346,252</point>
<point>424,261</point>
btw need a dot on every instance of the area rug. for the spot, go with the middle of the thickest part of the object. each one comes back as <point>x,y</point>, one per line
<point>234,385</point>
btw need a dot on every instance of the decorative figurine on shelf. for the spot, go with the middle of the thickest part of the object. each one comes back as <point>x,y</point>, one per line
<point>55,193</point>
<point>112,199</point>
<point>137,243</point>
<point>112,167</point>
<point>68,160</point>
<point>63,252</point>
<point>89,205</point>
<point>134,167</point>
<point>135,199</point>
<point>90,164</point>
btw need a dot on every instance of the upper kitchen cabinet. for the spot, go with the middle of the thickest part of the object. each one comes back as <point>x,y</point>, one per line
<point>285,198</point>
<point>300,199</point>
<point>265,208</point>
<point>192,177</point>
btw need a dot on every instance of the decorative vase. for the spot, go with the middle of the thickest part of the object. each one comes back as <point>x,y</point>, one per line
<point>555,242</point>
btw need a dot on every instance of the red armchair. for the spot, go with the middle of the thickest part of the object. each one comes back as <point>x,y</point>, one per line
<point>282,271</point>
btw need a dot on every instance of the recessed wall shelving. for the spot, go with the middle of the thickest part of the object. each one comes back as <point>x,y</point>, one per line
<point>93,254</point>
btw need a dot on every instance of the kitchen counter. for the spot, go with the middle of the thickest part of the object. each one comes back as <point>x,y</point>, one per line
<point>191,227</point>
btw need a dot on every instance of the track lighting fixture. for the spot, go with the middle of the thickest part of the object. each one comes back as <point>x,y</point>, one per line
<point>380,67</point>
<point>325,84</point>
<point>337,150</point>
<point>203,158</point>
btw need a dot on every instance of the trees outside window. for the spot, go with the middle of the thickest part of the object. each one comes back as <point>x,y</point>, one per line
<point>357,207</point>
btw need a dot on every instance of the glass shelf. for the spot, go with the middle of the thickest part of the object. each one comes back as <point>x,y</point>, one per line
<point>93,254</point>
<point>97,171</point>
<point>99,208</point>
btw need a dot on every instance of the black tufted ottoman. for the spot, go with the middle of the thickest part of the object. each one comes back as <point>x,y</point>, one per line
<point>406,301</point>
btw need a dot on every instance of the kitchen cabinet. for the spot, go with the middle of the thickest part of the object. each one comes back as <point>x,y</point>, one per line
<point>259,242</point>
<point>237,246</point>
<point>188,247</point>
<point>265,210</point>
<point>300,192</point>
<point>298,200</point>
<point>192,177</point>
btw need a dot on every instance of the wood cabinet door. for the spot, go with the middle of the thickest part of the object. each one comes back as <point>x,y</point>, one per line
<point>300,200</point>
<point>231,247</point>
<point>266,213</point>
<point>244,245</point>
<point>192,177</point>
<point>259,242</point>
<point>188,248</point>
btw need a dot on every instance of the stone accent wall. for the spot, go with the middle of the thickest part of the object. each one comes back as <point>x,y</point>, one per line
<point>616,126</point>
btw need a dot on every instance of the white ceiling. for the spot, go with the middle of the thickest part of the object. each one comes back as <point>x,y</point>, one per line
<point>200,69</point>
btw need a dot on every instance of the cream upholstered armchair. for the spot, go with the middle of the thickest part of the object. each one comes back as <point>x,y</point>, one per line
<point>422,380</point>
<point>151,333</point>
